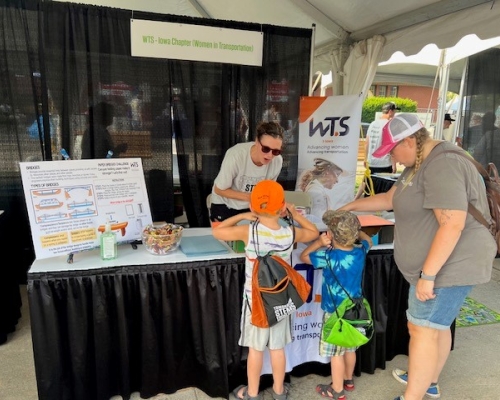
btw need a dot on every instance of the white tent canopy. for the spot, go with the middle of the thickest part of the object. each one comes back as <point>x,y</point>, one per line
<point>431,54</point>
<point>406,26</point>
<point>350,37</point>
<point>422,67</point>
<point>440,62</point>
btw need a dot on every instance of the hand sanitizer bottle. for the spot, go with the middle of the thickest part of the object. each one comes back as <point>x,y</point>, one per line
<point>109,249</point>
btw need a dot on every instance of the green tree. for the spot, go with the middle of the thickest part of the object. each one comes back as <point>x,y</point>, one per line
<point>372,105</point>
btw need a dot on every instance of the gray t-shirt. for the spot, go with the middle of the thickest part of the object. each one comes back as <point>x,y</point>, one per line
<point>448,181</point>
<point>238,172</point>
<point>374,136</point>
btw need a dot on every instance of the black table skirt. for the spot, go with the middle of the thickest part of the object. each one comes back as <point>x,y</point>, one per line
<point>15,241</point>
<point>10,309</point>
<point>387,291</point>
<point>381,185</point>
<point>10,295</point>
<point>153,329</point>
<point>160,328</point>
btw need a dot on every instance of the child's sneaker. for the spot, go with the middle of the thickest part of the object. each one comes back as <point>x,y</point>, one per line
<point>402,377</point>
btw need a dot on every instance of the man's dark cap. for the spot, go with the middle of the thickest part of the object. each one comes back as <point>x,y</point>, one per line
<point>390,106</point>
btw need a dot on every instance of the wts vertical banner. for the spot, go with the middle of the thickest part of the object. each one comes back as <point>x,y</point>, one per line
<point>328,148</point>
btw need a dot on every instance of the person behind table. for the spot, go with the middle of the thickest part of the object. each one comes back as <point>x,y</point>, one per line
<point>440,249</point>
<point>346,263</point>
<point>473,133</point>
<point>447,133</point>
<point>243,166</point>
<point>487,148</point>
<point>447,130</point>
<point>97,141</point>
<point>318,181</point>
<point>264,234</point>
<point>373,138</point>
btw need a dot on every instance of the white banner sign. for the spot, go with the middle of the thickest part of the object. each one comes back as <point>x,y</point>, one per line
<point>196,43</point>
<point>69,203</point>
<point>328,149</point>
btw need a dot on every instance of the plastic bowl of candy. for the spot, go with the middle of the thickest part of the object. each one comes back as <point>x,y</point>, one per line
<point>162,239</point>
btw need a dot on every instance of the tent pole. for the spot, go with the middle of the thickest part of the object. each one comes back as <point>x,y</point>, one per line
<point>461,123</point>
<point>443,89</point>
<point>311,60</point>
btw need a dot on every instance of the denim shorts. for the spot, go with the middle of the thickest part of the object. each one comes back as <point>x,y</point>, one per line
<point>439,312</point>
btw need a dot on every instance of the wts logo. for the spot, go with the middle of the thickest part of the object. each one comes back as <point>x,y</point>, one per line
<point>329,127</point>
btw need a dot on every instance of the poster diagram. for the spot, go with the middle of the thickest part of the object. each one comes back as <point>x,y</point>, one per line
<point>69,203</point>
<point>61,204</point>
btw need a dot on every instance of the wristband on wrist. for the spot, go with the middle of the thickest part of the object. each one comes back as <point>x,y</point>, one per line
<point>425,277</point>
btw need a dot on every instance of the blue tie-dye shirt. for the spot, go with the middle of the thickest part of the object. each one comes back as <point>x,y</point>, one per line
<point>348,266</point>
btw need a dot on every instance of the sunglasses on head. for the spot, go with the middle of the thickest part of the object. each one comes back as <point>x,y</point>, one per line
<point>265,149</point>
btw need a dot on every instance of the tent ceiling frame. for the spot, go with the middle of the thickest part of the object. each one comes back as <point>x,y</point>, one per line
<point>414,17</point>
<point>321,18</point>
<point>198,7</point>
<point>396,23</point>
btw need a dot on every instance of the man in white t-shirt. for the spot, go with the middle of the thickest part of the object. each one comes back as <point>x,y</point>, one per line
<point>447,130</point>
<point>447,133</point>
<point>374,140</point>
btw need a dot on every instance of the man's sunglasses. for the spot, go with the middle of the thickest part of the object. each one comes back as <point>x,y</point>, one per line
<point>265,149</point>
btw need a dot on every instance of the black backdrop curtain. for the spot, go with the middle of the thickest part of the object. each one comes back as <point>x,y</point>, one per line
<point>59,60</point>
<point>482,107</point>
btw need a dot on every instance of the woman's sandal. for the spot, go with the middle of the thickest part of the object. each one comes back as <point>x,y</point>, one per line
<point>245,394</point>
<point>348,385</point>
<point>328,392</point>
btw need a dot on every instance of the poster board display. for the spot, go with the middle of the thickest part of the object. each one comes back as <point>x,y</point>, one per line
<point>328,149</point>
<point>69,203</point>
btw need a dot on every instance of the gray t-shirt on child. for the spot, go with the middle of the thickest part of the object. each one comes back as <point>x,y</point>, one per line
<point>238,172</point>
<point>448,181</point>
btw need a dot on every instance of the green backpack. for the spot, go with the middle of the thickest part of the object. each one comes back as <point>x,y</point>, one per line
<point>351,325</point>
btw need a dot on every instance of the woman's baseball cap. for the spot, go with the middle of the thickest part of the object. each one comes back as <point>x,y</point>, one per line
<point>267,197</point>
<point>398,128</point>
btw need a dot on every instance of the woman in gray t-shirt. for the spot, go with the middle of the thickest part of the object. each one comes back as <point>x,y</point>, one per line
<point>244,165</point>
<point>439,247</point>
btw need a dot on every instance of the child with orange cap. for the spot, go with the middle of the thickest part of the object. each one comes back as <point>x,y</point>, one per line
<point>265,233</point>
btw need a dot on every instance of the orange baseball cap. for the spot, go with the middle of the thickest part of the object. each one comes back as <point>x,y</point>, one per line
<point>267,197</point>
